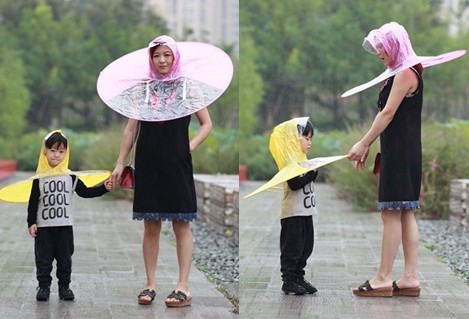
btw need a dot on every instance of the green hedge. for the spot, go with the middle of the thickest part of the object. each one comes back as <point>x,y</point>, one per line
<point>445,157</point>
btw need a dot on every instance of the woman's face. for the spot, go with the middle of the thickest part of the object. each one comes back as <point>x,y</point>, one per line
<point>382,54</point>
<point>163,59</point>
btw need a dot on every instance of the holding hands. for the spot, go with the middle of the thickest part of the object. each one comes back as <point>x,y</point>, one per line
<point>117,174</point>
<point>359,153</point>
<point>109,184</point>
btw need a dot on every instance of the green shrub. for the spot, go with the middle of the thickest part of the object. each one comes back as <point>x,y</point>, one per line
<point>219,153</point>
<point>444,157</point>
<point>255,155</point>
<point>102,154</point>
<point>324,145</point>
<point>28,151</point>
<point>359,187</point>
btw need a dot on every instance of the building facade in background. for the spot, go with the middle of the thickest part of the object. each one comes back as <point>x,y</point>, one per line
<point>456,13</point>
<point>212,21</point>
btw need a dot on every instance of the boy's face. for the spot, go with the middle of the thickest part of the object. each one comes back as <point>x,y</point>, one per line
<point>55,155</point>
<point>306,142</point>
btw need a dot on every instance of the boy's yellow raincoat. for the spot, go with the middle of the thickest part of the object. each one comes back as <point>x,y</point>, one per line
<point>19,192</point>
<point>285,147</point>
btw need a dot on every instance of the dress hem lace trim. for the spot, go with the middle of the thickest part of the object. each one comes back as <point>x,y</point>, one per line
<point>187,217</point>
<point>398,205</point>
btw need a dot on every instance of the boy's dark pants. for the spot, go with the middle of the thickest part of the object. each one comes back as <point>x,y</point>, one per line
<point>54,243</point>
<point>296,245</point>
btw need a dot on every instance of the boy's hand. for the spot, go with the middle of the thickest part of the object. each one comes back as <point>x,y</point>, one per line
<point>109,184</point>
<point>33,231</point>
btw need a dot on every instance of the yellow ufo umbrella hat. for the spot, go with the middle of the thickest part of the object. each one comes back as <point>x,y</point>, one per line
<point>19,192</point>
<point>285,148</point>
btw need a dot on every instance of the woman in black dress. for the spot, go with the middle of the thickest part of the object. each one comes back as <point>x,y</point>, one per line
<point>398,124</point>
<point>164,184</point>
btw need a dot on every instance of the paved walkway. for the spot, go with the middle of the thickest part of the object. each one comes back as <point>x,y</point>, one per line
<point>108,271</point>
<point>346,253</point>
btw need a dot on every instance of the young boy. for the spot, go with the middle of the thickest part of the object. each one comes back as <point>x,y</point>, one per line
<point>50,214</point>
<point>290,141</point>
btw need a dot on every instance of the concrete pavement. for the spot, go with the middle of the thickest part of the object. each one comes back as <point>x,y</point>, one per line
<point>346,253</point>
<point>108,271</point>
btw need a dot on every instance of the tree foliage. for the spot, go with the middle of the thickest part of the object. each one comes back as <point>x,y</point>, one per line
<point>65,44</point>
<point>309,53</point>
<point>224,111</point>
<point>14,95</point>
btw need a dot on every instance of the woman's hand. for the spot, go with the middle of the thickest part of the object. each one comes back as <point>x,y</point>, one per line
<point>117,174</point>
<point>359,153</point>
<point>205,128</point>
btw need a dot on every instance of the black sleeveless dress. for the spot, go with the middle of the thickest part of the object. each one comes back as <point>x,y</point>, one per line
<point>401,152</point>
<point>164,182</point>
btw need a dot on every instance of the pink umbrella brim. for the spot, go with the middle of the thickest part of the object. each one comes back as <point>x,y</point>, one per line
<point>426,61</point>
<point>204,67</point>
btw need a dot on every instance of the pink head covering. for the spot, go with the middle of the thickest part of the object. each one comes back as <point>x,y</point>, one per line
<point>175,71</point>
<point>131,86</point>
<point>395,41</point>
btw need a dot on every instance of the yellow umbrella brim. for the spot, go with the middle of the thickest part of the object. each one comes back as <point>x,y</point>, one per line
<point>295,169</point>
<point>19,192</point>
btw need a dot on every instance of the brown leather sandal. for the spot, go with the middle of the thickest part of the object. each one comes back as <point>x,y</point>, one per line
<point>404,292</point>
<point>182,300</point>
<point>146,293</point>
<point>365,290</point>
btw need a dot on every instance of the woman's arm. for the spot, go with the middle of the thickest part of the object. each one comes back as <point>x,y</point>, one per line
<point>205,128</point>
<point>405,82</point>
<point>127,142</point>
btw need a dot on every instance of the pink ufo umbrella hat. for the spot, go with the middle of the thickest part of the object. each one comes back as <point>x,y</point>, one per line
<point>396,42</point>
<point>131,86</point>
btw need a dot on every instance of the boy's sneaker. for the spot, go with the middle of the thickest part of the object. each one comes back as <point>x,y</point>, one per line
<point>43,293</point>
<point>292,288</point>
<point>310,289</point>
<point>65,293</point>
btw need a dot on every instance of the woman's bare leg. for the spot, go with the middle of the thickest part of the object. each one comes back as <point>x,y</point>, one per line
<point>150,249</point>
<point>184,247</point>
<point>390,245</point>
<point>410,245</point>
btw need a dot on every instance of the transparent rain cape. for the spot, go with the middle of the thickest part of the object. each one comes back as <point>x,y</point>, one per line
<point>199,75</point>
<point>19,192</point>
<point>285,147</point>
<point>394,39</point>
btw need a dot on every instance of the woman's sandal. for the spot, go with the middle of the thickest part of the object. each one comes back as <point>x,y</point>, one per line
<point>365,290</point>
<point>182,299</point>
<point>146,293</point>
<point>404,292</point>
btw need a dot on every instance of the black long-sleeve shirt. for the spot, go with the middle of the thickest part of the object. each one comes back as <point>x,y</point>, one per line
<point>81,189</point>
<point>299,182</point>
